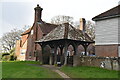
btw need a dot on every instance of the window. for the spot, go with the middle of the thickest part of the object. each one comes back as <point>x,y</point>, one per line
<point>23,51</point>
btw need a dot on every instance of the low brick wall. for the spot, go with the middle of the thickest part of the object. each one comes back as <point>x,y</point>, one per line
<point>104,62</point>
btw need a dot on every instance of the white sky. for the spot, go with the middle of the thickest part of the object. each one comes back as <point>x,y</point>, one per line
<point>18,13</point>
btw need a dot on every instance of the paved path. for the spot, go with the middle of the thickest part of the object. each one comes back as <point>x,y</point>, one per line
<point>55,69</point>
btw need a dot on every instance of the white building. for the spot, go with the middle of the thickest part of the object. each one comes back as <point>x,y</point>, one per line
<point>107,31</point>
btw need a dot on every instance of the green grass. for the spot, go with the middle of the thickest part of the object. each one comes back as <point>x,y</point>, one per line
<point>89,72</point>
<point>0,70</point>
<point>23,70</point>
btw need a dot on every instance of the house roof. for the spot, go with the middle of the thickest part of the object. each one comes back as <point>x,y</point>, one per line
<point>27,31</point>
<point>66,31</point>
<point>114,12</point>
<point>45,27</point>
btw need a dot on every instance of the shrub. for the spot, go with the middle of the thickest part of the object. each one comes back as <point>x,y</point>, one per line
<point>5,54</point>
<point>12,57</point>
<point>9,56</point>
<point>6,58</point>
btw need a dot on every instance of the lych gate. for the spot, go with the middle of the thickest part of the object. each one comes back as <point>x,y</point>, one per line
<point>58,42</point>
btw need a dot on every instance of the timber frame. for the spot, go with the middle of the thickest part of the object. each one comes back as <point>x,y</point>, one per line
<point>63,43</point>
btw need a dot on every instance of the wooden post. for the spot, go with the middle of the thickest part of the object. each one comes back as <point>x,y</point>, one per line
<point>55,54</point>
<point>76,50</point>
<point>65,54</point>
<point>85,50</point>
<point>85,45</point>
<point>50,60</point>
<point>61,55</point>
<point>42,49</point>
<point>52,56</point>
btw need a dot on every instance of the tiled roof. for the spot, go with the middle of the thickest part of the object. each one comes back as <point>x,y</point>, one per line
<point>45,27</point>
<point>27,31</point>
<point>66,31</point>
<point>114,12</point>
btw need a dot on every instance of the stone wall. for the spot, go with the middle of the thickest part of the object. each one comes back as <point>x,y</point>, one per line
<point>103,62</point>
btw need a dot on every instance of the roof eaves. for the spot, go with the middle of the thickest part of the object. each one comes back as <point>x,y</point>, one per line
<point>107,17</point>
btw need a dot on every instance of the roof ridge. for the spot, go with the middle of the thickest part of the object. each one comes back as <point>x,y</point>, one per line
<point>66,25</point>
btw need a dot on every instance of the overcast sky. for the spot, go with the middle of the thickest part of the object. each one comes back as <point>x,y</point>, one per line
<point>18,13</point>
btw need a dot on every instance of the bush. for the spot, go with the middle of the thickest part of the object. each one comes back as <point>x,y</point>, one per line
<point>12,57</point>
<point>6,58</point>
<point>9,56</point>
<point>5,54</point>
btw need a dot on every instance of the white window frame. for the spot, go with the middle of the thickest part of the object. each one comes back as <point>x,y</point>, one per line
<point>23,51</point>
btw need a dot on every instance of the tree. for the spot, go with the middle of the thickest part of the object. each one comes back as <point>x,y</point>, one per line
<point>62,19</point>
<point>90,29</point>
<point>8,39</point>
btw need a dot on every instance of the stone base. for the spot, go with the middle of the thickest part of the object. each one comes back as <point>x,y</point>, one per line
<point>103,62</point>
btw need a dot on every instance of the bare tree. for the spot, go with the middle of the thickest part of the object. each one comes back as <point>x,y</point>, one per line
<point>8,39</point>
<point>25,28</point>
<point>62,19</point>
<point>90,29</point>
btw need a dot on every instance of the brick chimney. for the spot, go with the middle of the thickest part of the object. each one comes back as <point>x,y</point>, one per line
<point>38,13</point>
<point>82,24</point>
<point>119,3</point>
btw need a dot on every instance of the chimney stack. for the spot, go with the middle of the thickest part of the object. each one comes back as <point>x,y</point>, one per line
<point>119,3</point>
<point>38,13</point>
<point>82,24</point>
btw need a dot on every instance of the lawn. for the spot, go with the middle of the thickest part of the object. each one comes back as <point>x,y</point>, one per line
<point>89,72</point>
<point>23,70</point>
<point>0,69</point>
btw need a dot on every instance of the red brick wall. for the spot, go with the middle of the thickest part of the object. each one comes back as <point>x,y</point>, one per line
<point>23,39</point>
<point>17,48</point>
<point>32,47</point>
<point>106,50</point>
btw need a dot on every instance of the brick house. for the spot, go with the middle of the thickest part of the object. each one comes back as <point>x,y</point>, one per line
<point>26,49</point>
<point>108,33</point>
